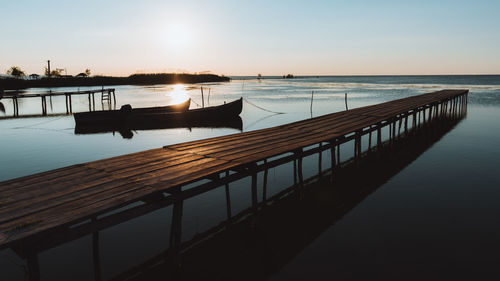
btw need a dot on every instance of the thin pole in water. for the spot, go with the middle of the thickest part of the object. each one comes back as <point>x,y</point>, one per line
<point>312,97</point>
<point>202,98</point>
<point>346,108</point>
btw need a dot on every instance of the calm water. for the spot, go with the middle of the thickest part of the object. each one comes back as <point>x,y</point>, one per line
<point>436,217</point>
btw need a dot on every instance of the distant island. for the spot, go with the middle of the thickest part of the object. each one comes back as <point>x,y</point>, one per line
<point>12,83</point>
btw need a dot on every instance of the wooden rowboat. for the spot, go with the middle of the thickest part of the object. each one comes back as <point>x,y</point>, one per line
<point>114,116</point>
<point>129,117</point>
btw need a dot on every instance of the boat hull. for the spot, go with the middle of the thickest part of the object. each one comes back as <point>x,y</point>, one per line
<point>118,116</point>
<point>138,117</point>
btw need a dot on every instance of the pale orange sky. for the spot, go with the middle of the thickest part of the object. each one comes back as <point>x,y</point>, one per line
<point>247,38</point>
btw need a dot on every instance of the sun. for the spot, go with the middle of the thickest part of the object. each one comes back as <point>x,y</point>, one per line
<point>178,94</point>
<point>178,37</point>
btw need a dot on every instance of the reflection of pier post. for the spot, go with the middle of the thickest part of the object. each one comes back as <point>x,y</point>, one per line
<point>33,267</point>
<point>176,231</point>
<point>228,198</point>
<point>298,153</point>
<point>96,255</point>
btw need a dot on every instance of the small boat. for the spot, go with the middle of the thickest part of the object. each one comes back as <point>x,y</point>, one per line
<point>113,116</point>
<point>128,117</point>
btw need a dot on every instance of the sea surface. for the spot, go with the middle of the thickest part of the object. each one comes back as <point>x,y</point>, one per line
<point>431,213</point>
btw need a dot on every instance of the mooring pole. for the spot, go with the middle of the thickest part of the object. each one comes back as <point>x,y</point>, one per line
<point>66,101</point>
<point>298,153</point>
<point>202,98</point>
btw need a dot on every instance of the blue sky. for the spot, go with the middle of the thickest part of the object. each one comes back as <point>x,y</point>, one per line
<point>250,37</point>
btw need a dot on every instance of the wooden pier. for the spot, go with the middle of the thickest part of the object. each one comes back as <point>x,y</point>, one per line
<point>106,95</point>
<point>70,202</point>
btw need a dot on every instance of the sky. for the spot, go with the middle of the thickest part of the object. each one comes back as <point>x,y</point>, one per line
<point>357,37</point>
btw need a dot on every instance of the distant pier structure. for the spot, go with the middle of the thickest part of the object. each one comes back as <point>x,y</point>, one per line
<point>107,96</point>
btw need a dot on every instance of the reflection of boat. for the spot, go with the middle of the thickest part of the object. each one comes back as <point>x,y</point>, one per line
<point>126,112</point>
<point>126,128</point>
<point>127,115</point>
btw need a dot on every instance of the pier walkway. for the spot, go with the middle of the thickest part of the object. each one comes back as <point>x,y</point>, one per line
<point>67,198</point>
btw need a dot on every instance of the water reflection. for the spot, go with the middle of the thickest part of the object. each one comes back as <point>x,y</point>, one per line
<point>126,129</point>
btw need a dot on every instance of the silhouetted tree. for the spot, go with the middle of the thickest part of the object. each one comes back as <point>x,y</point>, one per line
<point>87,71</point>
<point>53,73</point>
<point>16,71</point>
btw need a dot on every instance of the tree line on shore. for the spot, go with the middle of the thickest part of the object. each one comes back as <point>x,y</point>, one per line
<point>55,79</point>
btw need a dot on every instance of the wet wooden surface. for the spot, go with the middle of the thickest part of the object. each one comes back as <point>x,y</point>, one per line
<point>62,197</point>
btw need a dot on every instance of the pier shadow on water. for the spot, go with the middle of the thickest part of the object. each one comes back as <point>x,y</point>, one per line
<point>261,240</point>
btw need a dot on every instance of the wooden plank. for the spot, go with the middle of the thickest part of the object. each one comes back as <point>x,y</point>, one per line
<point>85,189</point>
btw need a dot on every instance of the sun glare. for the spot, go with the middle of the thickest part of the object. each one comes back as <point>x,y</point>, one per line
<point>178,94</point>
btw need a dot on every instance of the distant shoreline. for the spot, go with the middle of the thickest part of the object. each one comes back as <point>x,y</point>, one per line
<point>135,79</point>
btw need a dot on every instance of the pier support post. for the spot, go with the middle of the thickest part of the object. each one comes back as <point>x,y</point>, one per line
<point>332,157</point>
<point>370,139</point>
<point>379,135</point>
<point>320,156</point>
<point>406,124</point>
<point>400,123</point>
<point>357,144</point>
<point>338,154</point>
<point>294,171</point>
<point>298,153</point>
<point>393,129</point>
<point>264,185</point>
